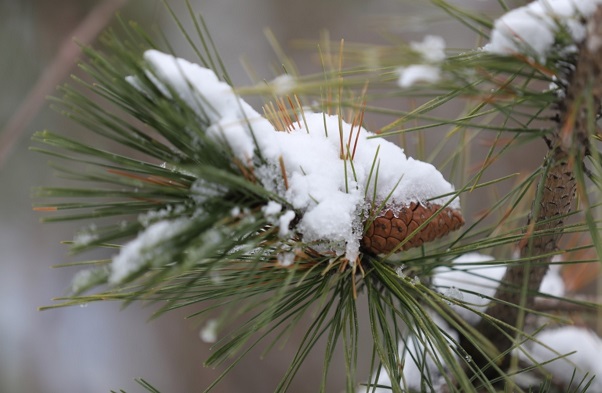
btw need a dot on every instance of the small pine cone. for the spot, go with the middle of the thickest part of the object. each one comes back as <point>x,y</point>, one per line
<point>391,227</point>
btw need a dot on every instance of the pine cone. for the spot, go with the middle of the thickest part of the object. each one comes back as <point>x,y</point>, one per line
<point>391,227</point>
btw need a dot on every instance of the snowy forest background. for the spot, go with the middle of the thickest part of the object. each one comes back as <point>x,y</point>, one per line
<point>100,347</point>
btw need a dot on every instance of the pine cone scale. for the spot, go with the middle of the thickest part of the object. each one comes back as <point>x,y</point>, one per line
<point>392,227</point>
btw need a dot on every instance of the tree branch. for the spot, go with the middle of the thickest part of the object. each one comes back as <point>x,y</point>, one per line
<point>58,70</point>
<point>556,192</point>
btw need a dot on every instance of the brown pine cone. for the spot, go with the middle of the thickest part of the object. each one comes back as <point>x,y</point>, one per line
<point>391,227</point>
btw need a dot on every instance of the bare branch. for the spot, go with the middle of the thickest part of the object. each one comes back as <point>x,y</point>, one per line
<point>58,70</point>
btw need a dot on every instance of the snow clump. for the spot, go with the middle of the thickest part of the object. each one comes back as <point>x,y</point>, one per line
<point>146,247</point>
<point>474,278</point>
<point>533,29</point>
<point>322,166</point>
<point>432,51</point>
<point>570,354</point>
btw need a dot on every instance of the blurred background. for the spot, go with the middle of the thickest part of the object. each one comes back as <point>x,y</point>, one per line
<point>101,347</point>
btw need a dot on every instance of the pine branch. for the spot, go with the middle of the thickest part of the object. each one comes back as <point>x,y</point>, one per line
<point>218,218</point>
<point>556,193</point>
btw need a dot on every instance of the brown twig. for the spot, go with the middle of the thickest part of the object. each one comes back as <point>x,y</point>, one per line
<point>58,70</point>
<point>556,192</point>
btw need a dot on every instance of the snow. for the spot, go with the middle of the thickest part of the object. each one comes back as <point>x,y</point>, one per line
<point>286,259</point>
<point>454,293</point>
<point>585,362</point>
<point>157,215</point>
<point>82,279</point>
<point>399,271</point>
<point>282,84</point>
<point>431,48</point>
<point>481,277</point>
<point>84,238</point>
<point>284,221</point>
<point>476,276</point>
<point>274,215</point>
<point>533,29</point>
<point>552,283</point>
<point>212,99</point>
<point>472,272</point>
<point>143,249</point>
<point>432,51</point>
<point>271,209</point>
<point>208,333</point>
<point>201,190</point>
<point>415,73</point>
<point>326,185</point>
